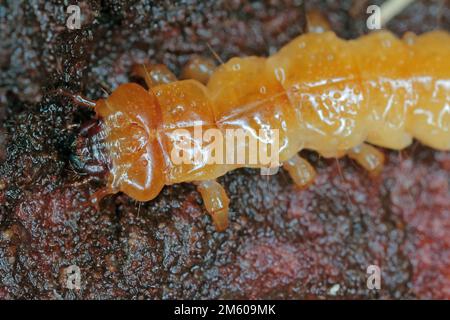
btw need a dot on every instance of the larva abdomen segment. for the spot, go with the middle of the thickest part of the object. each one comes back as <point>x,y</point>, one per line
<point>428,120</point>
<point>406,88</point>
<point>376,88</point>
<point>319,74</point>
<point>383,62</point>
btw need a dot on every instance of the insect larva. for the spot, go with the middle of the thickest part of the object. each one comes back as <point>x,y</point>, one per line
<point>321,92</point>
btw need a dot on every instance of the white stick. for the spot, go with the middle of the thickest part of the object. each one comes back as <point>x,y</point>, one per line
<point>391,8</point>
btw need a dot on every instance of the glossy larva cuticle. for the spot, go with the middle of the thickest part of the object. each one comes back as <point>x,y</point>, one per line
<point>321,92</point>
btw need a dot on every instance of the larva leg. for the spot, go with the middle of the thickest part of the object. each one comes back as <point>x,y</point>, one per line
<point>154,74</point>
<point>316,22</point>
<point>300,170</point>
<point>198,68</point>
<point>216,202</point>
<point>369,157</point>
<point>94,200</point>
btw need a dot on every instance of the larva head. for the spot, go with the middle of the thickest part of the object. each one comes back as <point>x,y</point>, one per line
<point>129,119</point>
<point>89,150</point>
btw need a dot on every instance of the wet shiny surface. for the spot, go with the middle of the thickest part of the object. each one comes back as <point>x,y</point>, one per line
<point>429,118</point>
<point>185,107</point>
<point>153,74</point>
<point>246,95</point>
<point>320,76</point>
<point>383,62</point>
<point>131,117</point>
<point>198,68</point>
<point>319,92</point>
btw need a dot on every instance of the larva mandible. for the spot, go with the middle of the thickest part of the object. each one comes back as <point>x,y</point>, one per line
<point>321,92</point>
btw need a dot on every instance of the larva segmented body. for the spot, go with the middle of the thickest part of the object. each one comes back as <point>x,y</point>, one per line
<point>321,92</point>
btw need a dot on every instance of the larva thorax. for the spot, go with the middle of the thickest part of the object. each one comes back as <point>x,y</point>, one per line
<point>320,92</point>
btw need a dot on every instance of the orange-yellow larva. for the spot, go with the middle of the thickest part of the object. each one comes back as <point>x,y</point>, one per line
<point>321,92</point>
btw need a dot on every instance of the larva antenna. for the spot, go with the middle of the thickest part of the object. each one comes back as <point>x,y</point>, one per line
<point>105,88</point>
<point>139,208</point>
<point>218,58</point>
<point>339,169</point>
<point>78,99</point>
<point>344,180</point>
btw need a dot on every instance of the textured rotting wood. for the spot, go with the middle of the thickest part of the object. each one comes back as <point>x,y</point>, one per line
<point>282,242</point>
